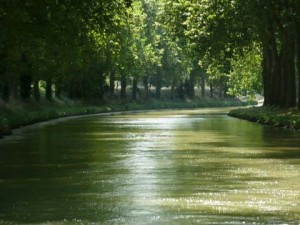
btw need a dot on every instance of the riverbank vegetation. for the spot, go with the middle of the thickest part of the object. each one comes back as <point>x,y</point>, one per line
<point>287,118</point>
<point>130,50</point>
<point>18,115</point>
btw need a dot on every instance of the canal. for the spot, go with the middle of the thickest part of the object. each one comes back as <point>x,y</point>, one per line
<point>166,167</point>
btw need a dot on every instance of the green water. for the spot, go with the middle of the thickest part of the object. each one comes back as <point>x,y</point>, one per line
<point>170,167</point>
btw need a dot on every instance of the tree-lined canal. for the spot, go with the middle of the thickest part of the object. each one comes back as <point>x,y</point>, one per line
<point>169,167</point>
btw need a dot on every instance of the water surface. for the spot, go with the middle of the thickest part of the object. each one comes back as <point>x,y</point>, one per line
<point>169,167</point>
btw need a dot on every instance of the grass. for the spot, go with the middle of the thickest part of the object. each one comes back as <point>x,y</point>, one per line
<point>21,114</point>
<point>288,118</point>
<point>18,115</point>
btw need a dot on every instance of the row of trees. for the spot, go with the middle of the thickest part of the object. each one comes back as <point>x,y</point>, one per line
<point>80,49</point>
<point>280,38</point>
<point>66,43</point>
<point>264,33</point>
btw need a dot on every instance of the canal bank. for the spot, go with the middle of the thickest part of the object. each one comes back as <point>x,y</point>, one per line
<point>21,114</point>
<point>287,118</point>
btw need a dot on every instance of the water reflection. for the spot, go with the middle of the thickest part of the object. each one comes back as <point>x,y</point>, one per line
<point>172,167</point>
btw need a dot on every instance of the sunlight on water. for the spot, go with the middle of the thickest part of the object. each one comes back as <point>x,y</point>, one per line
<point>170,167</point>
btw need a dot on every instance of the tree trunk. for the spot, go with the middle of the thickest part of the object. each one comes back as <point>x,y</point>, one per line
<point>186,87</point>
<point>291,96</point>
<point>273,68</point>
<point>36,90</point>
<point>112,84</point>
<point>101,86</point>
<point>4,81</point>
<point>266,73</point>
<point>172,89</point>
<point>203,85</point>
<point>158,87</point>
<point>13,67</point>
<point>13,87</point>
<point>221,88</point>
<point>134,88</point>
<point>284,71</point>
<point>123,87</point>
<point>225,87</point>
<point>181,90</point>
<point>58,90</point>
<point>49,89</point>
<point>192,85</point>
<point>25,86</point>
<point>25,78</point>
<point>288,88</point>
<point>298,59</point>
<point>146,89</point>
<point>297,25</point>
<point>211,90</point>
<point>277,77</point>
<point>5,91</point>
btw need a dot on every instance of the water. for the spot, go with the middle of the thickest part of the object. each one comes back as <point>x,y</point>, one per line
<point>170,167</point>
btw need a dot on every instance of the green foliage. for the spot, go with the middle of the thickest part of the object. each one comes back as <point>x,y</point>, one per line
<point>245,78</point>
<point>80,48</point>
<point>288,118</point>
<point>14,116</point>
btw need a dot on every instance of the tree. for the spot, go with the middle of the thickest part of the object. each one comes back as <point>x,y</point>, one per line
<point>224,29</point>
<point>245,77</point>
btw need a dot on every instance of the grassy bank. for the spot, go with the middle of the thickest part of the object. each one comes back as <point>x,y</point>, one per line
<point>21,114</point>
<point>288,118</point>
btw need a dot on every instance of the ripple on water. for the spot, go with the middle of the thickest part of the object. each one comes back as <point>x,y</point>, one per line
<point>178,167</point>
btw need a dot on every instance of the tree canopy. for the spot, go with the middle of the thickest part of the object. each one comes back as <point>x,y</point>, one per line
<point>88,49</point>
